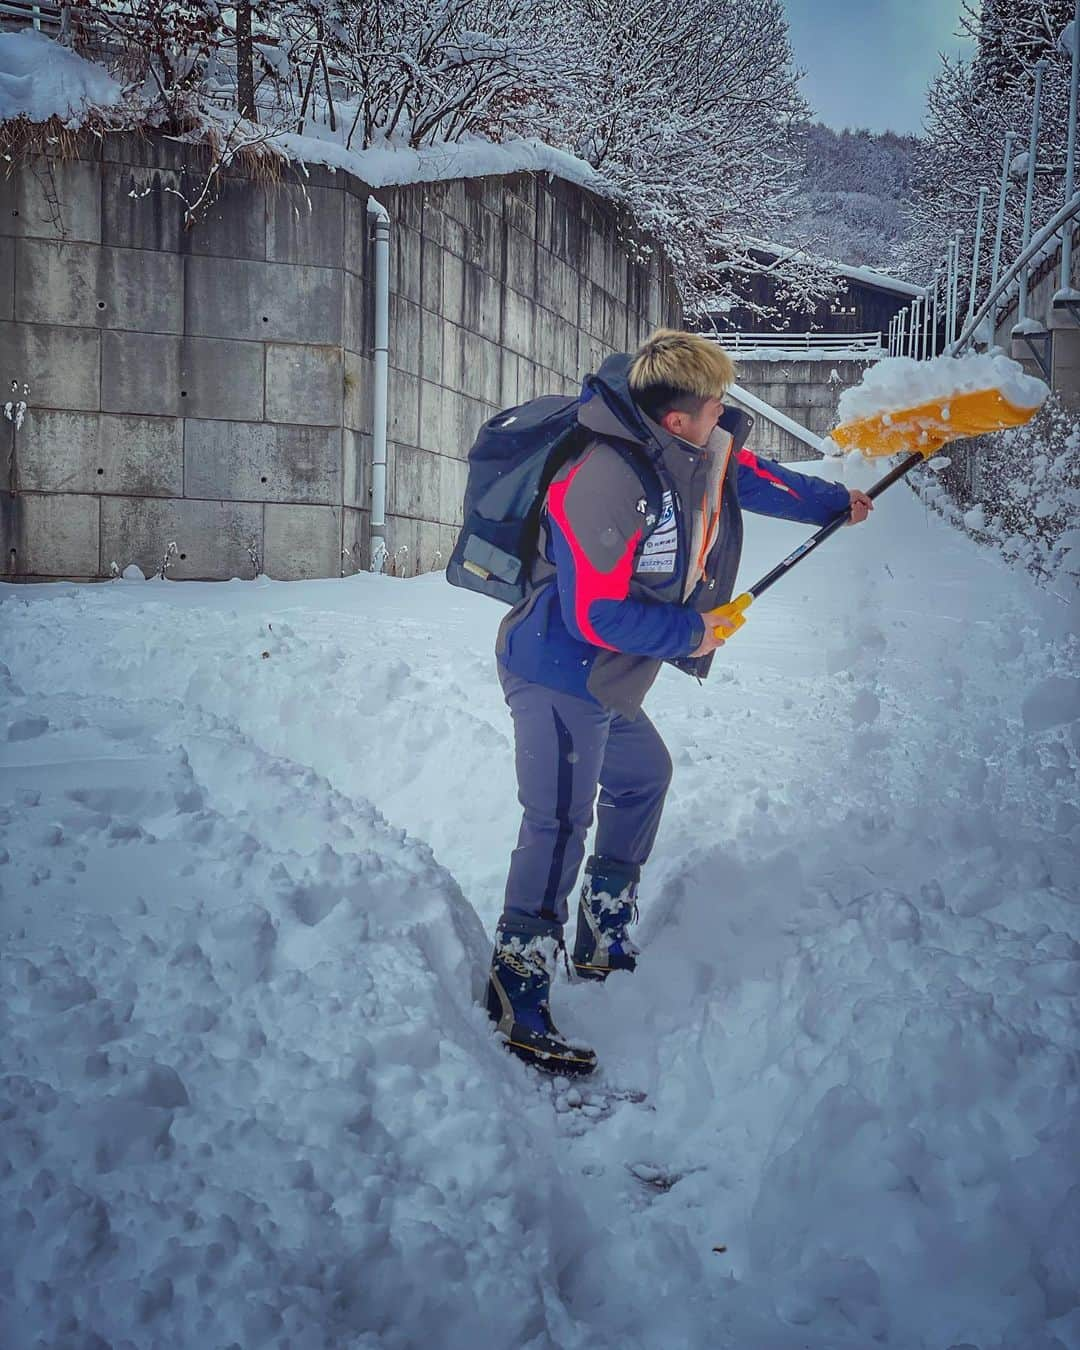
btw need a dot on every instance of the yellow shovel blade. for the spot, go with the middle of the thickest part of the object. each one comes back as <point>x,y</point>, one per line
<point>927,427</point>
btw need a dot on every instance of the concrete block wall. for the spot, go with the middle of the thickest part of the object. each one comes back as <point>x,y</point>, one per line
<point>213,387</point>
<point>185,386</point>
<point>502,289</point>
<point>806,391</point>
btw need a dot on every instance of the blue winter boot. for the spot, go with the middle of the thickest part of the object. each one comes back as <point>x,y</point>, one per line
<point>522,967</point>
<point>607,908</point>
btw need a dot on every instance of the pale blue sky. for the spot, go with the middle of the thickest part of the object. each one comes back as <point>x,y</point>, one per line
<point>868,62</point>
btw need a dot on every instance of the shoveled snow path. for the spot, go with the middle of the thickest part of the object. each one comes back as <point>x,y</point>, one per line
<point>254,1101</point>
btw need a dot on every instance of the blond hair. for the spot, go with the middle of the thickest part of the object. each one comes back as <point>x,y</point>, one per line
<point>671,366</point>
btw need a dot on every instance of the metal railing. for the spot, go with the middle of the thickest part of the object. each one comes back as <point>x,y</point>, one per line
<point>813,344</point>
<point>41,16</point>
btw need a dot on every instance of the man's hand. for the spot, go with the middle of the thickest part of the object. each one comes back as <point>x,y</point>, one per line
<point>861,505</point>
<point>715,621</point>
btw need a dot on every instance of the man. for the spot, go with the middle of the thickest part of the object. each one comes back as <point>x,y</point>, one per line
<point>613,595</point>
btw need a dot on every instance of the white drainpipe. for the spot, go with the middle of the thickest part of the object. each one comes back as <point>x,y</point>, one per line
<point>380,219</point>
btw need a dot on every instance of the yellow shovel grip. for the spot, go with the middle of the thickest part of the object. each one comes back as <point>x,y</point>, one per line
<point>733,613</point>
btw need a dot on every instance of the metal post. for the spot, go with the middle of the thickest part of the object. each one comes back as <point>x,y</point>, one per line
<point>1029,196</point>
<point>934,318</point>
<point>914,330</point>
<point>978,246</point>
<point>956,288</point>
<point>948,293</point>
<point>1010,141</point>
<point>926,325</point>
<point>1070,159</point>
<point>950,272</point>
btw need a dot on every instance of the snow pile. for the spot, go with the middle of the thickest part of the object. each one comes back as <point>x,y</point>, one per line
<point>902,382</point>
<point>254,833</point>
<point>40,79</point>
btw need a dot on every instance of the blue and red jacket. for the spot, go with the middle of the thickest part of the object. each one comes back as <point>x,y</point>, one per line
<point>612,598</point>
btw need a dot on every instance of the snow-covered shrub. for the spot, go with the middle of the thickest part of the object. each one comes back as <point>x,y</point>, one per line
<point>1020,491</point>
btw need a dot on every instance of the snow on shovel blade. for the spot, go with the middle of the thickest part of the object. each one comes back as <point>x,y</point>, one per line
<point>917,407</point>
<point>929,426</point>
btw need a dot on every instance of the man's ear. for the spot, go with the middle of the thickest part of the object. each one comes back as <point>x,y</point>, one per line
<point>672,421</point>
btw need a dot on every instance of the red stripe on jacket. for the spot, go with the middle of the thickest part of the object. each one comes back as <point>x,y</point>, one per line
<point>590,583</point>
<point>750,461</point>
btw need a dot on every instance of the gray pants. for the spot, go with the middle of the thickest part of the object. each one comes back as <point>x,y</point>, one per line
<point>565,747</point>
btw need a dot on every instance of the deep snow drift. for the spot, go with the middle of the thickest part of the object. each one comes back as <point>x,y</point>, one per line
<point>254,833</point>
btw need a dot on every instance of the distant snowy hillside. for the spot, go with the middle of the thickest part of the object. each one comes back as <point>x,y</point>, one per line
<point>253,841</point>
<point>849,197</point>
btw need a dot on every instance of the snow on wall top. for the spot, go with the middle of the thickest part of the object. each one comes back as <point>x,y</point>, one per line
<point>397,166</point>
<point>902,382</point>
<point>40,79</point>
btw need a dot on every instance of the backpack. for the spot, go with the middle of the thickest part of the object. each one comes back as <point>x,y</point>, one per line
<point>511,465</point>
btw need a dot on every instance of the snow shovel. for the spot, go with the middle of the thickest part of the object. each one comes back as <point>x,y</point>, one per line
<point>927,426</point>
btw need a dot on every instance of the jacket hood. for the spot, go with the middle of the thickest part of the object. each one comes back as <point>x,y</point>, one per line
<point>607,409</point>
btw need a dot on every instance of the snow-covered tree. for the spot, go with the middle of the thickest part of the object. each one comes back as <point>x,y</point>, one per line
<point>691,113</point>
<point>165,44</point>
<point>971,105</point>
<point>420,72</point>
<point>691,116</point>
<point>180,51</point>
<point>850,193</point>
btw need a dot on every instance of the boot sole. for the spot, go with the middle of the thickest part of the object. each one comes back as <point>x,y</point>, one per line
<point>547,1062</point>
<point>599,972</point>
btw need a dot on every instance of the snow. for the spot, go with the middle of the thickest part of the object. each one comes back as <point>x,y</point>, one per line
<point>254,839</point>
<point>1027,326</point>
<point>395,165</point>
<point>40,79</point>
<point>902,382</point>
<point>870,275</point>
<point>747,352</point>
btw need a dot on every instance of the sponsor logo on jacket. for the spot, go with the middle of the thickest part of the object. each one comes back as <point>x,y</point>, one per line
<point>661,550</point>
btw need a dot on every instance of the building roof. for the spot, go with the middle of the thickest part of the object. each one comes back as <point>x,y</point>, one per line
<point>868,276</point>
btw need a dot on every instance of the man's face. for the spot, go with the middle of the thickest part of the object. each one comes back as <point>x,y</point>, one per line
<point>695,427</point>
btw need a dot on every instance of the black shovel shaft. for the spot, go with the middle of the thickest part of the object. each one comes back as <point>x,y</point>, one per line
<point>782,568</point>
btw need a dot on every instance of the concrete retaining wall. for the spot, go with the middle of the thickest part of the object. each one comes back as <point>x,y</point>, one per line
<point>213,387</point>
<point>1064,326</point>
<point>806,391</point>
